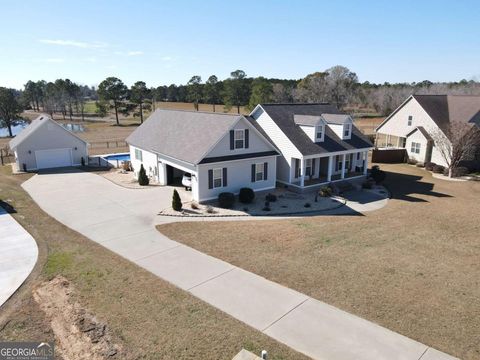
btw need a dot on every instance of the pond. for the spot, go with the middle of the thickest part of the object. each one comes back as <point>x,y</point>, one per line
<point>17,128</point>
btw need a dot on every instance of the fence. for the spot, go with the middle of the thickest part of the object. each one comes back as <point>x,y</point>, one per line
<point>108,144</point>
<point>6,156</point>
<point>390,156</point>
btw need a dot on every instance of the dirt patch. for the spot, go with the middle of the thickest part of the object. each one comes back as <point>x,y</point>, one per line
<point>78,334</point>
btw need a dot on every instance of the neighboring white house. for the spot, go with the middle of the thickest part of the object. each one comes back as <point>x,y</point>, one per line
<point>319,144</point>
<point>413,123</point>
<point>45,144</point>
<point>222,152</point>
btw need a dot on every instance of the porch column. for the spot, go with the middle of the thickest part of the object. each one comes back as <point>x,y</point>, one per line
<point>344,157</point>
<point>302,172</point>
<point>365,162</point>
<point>330,168</point>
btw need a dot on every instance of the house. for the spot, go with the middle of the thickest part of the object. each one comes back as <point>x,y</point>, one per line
<point>413,124</point>
<point>221,152</point>
<point>318,143</point>
<point>44,144</point>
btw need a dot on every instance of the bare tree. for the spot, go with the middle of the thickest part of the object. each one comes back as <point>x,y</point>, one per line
<point>458,141</point>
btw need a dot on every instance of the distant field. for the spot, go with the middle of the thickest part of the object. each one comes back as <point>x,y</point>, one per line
<point>367,125</point>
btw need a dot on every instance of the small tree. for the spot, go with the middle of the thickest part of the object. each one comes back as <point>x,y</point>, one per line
<point>113,89</point>
<point>10,109</point>
<point>142,176</point>
<point>458,141</point>
<point>176,201</point>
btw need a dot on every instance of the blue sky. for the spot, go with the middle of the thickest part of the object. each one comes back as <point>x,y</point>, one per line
<point>164,42</point>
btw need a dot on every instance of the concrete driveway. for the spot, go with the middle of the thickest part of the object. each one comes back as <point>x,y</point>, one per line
<point>123,221</point>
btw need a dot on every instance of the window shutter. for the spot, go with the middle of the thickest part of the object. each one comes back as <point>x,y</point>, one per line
<point>297,166</point>
<point>253,172</point>
<point>246,139</point>
<point>224,177</point>
<point>210,179</point>
<point>232,139</point>
<point>312,172</point>
<point>265,171</point>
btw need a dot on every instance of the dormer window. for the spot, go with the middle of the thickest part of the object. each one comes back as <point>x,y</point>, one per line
<point>319,132</point>
<point>347,129</point>
<point>239,139</point>
<point>410,119</point>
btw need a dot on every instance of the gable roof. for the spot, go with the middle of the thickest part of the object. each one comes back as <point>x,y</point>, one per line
<point>444,109</point>
<point>33,126</point>
<point>184,135</point>
<point>283,116</point>
<point>422,130</point>
<point>337,119</point>
<point>308,120</point>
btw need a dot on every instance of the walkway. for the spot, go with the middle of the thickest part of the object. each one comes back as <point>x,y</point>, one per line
<point>123,221</point>
<point>18,255</point>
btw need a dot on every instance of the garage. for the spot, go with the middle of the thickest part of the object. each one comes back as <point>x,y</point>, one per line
<point>53,158</point>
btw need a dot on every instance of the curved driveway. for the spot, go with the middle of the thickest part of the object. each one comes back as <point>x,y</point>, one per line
<point>18,255</point>
<point>123,221</point>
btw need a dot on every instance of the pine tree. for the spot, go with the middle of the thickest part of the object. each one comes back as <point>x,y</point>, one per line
<point>142,176</point>
<point>176,201</point>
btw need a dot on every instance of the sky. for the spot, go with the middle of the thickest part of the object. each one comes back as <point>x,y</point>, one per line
<point>165,42</point>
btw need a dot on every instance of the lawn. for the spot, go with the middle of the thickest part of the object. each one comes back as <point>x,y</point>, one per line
<point>412,267</point>
<point>148,317</point>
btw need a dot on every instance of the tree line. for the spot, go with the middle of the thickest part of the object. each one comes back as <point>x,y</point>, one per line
<point>337,85</point>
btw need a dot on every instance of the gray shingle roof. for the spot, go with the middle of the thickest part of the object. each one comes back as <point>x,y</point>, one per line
<point>309,120</point>
<point>183,135</point>
<point>423,131</point>
<point>338,119</point>
<point>283,116</point>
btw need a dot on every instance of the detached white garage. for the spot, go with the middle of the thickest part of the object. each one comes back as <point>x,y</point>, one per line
<point>46,144</point>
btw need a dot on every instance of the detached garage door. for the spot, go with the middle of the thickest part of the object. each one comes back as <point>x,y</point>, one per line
<point>53,158</point>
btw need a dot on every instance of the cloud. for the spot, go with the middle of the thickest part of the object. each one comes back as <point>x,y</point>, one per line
<point>166,58</point>
<point>90,59</point>
<point>54,60</point>
<point>79,44</point>
<point>134,53</point>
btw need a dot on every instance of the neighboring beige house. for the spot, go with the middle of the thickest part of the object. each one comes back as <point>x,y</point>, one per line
<point>45,144</point>
<point>413,123</point>
<point>219,152</point>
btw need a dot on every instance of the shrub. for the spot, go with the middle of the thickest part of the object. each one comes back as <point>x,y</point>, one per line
<point>270,197</point>
<point>412,161</point>
<point>226,200</point>
<point>438,169</point>
<point>127,165</point>
<point>325,191</point>
<point>83,161</point>
<point>246,195</point>
<point>460,171</point>
<point>194,206</point>
<point>210,210</point>
<point>367,185</point>
<point>377,175</point>
<point>176,201</point>
<point>420,165</point>
<point>429,165</point>
<point>266,208</point>
<point>142,177</point>
<point>307,205</point>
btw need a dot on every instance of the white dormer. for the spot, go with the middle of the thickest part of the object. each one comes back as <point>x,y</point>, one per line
<point>312,125</point>
<point>341,124</point>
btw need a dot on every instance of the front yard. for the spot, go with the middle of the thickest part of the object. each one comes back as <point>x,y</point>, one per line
<point>412,266</point>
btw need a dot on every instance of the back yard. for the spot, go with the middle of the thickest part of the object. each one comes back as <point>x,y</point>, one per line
<point>412,266</point>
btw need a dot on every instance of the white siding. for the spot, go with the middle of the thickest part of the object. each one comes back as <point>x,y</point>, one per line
<point>255,143</point>
<point>310,131</point>
<point>149,161</point>
<point>437,157</point>
<point>49,136</point>
<point>417,137</point>
<point>281,141</point>
<point>238,176</point>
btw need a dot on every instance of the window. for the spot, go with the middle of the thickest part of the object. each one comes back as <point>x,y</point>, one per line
<point>259,175</point>
<point>415,148</point>
<point>239,139</point>
<point>346,130</point>
<point>319,132</point>
<point>338,162</point>
<point>348,159</point>
<point>217,178</point>
<point>138,154</point>
<point>308,167</point>
<point>410,119</point>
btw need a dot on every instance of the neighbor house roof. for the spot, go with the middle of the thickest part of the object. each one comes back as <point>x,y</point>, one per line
<point>183,135</point>
<point>32,127</point>
<point>422,130</point>
<point>283,115</point>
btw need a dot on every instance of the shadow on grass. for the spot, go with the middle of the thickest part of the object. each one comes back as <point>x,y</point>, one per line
<point>7,207</point>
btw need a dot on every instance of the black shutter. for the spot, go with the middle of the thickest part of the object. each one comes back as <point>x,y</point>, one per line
<point>246,139</point>
<point>297,165</point>
<point>232,139</point>
<point>210,179</point>
<point>312,171</point>
<point>253,172</point>
<point>265,171</point>
<point>224,177</point>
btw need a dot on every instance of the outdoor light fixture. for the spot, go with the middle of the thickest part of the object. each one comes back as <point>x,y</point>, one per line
<point>29,151</point>
<point>75,148</point>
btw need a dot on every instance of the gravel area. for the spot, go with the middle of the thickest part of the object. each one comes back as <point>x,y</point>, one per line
<point>124,178</point>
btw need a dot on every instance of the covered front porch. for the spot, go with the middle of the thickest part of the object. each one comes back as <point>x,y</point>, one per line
<point>321,169</point>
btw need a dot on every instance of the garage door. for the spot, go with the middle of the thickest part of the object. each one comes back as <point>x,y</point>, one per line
<point>53,158</point>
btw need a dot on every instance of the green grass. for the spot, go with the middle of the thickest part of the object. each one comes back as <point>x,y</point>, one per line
<point>57,263</point>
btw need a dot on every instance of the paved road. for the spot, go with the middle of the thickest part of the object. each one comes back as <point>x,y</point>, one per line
<point>123,221</point>
<point>18,255</point>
